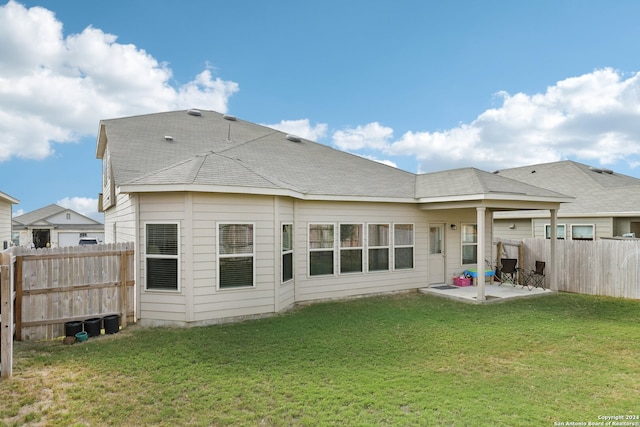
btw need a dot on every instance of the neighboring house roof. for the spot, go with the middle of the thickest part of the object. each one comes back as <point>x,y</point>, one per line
<point>182,151</point>
<point>43,217</point>
<point>597,191</point>
<point>7,198</point>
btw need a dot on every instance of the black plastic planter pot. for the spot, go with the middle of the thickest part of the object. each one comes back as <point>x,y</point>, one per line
<point>111,324</point>
<point>93,326</point>
<point>72,328</point>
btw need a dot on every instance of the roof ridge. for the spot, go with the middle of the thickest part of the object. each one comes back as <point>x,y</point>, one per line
<point>264,176</point>
<point>172,166</point>
<point>249,141</point>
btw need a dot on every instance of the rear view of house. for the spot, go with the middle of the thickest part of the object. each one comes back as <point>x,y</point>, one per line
<point>233,219</point>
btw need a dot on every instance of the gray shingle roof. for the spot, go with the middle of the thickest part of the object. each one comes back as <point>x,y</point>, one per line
<point>208,149</point>
<point>43,214</point>
<point>470,181</point>
<point>595,191</point>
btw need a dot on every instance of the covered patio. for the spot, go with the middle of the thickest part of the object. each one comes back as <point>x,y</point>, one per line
<point>485,193</point>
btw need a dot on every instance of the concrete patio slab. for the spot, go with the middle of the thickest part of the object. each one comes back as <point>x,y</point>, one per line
<point>493,293</point>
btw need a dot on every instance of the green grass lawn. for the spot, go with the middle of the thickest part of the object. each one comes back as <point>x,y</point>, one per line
<point>400,360</point>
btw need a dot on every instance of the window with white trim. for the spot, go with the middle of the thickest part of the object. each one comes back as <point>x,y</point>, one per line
<point>236,255</point>
<point>378,244</point>
<point>321,249</point>
<point>287,252</point>
<point>561,231</point>
<point>351,248</point>
<point>469,244</point>
<point>161,259</point>
<point>402,246</point>
<point>583,232</point>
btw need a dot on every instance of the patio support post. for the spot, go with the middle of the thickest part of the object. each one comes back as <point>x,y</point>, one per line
<point>553,278</point>
<point>480,211</point>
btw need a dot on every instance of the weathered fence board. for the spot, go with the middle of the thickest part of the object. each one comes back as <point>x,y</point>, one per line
<point>6,317</point>
<point>54,286</point>
<point>600,267</point>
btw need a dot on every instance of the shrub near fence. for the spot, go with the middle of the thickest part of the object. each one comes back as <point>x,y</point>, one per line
<point>602,267</point>
<point>55,286</point>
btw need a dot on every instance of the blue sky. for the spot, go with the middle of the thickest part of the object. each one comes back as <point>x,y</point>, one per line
<point>421,85</point>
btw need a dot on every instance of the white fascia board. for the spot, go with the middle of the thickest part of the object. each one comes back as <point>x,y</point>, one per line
<point>173,188</point>
<point>489,201</point>
<point>545,214</point>
<point>496,196</point>
<point>101,142</point>
<point>162,188</point>
<point>8,198</point>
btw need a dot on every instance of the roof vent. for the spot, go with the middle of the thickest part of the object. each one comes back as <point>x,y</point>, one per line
<point>168,138</point>
<point>293,138</point>
<point>596,170</point>
<point>194,112</point>
<point>608,171</point>
<point>229,117</point>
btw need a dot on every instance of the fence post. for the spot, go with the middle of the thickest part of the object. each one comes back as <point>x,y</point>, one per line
<point>18,285</point>
<point>124,297</point>
<point>6,306</point>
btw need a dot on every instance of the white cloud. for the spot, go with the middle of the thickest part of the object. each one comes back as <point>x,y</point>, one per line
<point>83,205</point>
<point>56,89</point>
<point>383,161</point>
<point>370,136</point>
<point>301,128</point>
<point>594,117</point>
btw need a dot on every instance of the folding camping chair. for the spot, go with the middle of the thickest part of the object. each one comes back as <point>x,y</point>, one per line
<point>508,272</point>
<point>535,278</point>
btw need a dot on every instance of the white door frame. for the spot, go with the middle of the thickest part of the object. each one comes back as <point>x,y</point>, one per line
<point>436,270</point>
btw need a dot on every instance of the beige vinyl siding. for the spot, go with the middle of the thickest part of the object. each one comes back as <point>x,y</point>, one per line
<point>122,219</point>
<point>285,292</point>
<point>351,284</point>
<point>453,238</point>
<point>5,223</point>
<point>603,225</point>
<point>155,306</point>
<point>513,229</point>
<point>626,225</point>
<point>209,302</point>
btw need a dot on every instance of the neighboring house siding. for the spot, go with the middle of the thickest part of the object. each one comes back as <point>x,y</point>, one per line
<point>345,285</point>
<point>67,217</point>
<point>603,226</point>
<point>5,223</point>
<point>626,225</point>
<point>513,229</point>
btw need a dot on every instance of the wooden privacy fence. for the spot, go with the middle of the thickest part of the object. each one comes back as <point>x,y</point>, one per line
<point>55,286</point>
<point>601,267</point>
